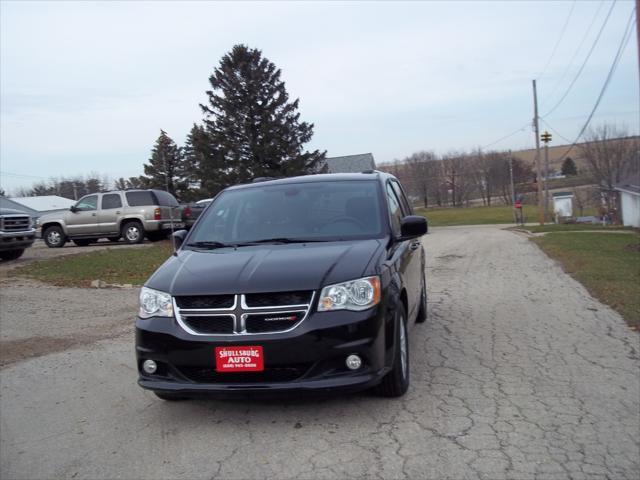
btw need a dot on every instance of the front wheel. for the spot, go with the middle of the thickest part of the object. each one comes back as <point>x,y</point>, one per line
<point>11,254</point>
<point>54,237</point>
<point>396,382</point>
<point>133,232</point>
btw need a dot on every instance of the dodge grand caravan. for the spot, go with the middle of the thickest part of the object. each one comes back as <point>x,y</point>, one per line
<point>299,284</point>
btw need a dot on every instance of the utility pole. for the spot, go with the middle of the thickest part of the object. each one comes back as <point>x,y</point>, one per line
<point>638,30</point>
<point>538,169</point>
<point>546,138</point>
<point>513,191</point>
<point>75,191</point>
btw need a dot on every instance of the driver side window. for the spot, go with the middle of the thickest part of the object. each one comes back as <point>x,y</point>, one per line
<point>88,203</point>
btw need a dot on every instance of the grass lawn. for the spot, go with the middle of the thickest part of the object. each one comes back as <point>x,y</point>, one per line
<point>441,217</point>
<point>571,227</point>
<point>607,265</point>
<point>113,265</point>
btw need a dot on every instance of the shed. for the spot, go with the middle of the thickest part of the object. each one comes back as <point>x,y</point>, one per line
<point>562,205</point>
<point>351,163</point>
<point>629,192</point>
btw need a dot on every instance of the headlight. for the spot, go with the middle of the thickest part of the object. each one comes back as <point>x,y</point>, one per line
<point>155,304</point>
<point>354,295</point>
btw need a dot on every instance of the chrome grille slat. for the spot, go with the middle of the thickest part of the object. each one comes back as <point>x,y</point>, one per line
<point>240,312</point>
<point>15,223</point>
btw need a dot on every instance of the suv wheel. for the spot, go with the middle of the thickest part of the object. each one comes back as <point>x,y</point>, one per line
<point>11,254</point>
<point>133,232</point>
<point>396,382</point>
<point>54,237</point>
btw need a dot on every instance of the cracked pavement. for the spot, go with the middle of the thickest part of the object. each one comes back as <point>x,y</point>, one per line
<point>519,373</point>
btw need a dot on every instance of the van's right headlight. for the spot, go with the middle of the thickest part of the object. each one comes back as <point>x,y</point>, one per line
<point>154,303</point>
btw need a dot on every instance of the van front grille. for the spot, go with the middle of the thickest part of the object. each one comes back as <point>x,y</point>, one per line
<point>256,313</point>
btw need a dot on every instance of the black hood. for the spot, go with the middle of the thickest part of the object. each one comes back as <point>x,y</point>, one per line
<point>266,268</point>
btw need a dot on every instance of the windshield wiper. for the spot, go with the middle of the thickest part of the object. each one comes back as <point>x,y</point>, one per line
<point>283,240</point>
<point>209,245</point>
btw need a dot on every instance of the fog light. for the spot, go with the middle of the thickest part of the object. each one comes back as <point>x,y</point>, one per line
<point>353,362</point>
<point>150,367</point>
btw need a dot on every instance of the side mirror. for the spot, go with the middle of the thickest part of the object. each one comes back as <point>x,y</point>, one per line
<point>413,226</point>
<point>73,208</point>
<point>178,237</point>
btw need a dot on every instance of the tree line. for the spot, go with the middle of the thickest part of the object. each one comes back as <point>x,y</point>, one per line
<point>457,178</point>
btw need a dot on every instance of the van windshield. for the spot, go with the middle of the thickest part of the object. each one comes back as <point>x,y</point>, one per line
<point>314,211</point>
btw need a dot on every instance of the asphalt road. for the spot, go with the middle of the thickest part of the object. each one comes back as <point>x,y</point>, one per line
<point>518,373</point>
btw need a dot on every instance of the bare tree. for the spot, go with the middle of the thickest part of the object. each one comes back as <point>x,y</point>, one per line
<point>425,176</point>
<point>458,177</point>
<point>610,155</point>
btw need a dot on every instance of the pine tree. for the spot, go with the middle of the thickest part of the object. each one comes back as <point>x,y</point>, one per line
<point>203,164</point>
<point>569,167</point>
<point>254,127</point>
<point>166,167</point>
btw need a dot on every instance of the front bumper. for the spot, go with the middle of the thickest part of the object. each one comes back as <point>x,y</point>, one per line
<point>17,240</point>
<point>309,358</point>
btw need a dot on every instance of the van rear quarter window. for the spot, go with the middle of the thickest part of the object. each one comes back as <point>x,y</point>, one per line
<point>140,199</point>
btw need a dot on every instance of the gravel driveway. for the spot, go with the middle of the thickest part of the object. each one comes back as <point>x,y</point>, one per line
<point>518,373</point>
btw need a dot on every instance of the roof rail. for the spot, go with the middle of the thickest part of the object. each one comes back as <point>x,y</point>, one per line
<point>370,171</point>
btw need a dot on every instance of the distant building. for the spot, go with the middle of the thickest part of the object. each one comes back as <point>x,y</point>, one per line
<point>629,191</point>
<point>37,206</point>
<point>351,163</point>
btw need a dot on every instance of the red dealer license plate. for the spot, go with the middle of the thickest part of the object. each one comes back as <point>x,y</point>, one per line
<point>239,359</point>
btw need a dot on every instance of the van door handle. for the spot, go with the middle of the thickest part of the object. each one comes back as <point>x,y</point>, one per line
<point>414,245</point>
<point>118,212</point>
<point>93,214</point>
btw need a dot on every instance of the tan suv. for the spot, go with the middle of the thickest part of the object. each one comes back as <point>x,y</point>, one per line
<point>130,214</point>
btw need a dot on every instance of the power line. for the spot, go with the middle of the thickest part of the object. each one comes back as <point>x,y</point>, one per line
<point>584,63</point>
<point>555,47</point>
<point>506,136</point>
<point>555,131</point>
<point>625,40</point>
<point>575,54</point>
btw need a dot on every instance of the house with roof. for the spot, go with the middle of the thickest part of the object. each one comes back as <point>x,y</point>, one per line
<point>351,163</point>
<point>37,206</point>
<point>629,193</point>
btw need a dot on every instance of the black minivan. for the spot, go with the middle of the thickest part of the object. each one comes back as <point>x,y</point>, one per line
<point>299,284</point>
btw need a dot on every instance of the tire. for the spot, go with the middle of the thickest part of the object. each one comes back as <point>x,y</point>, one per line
<point>11,254</point>
<point>113,239</point>
<point>157,236</point>
<point>54,237</point>
<point>422,313</point>
<point>396,382</point>
<point>169,397</point>
<point>82,242</point>
<point>133,232</point>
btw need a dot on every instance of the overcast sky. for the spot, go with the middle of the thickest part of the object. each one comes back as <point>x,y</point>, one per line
<point>86,87</point>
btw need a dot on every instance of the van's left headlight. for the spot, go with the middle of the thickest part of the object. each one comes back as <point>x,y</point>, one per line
<point>355,295</point>
<point>154,303</point>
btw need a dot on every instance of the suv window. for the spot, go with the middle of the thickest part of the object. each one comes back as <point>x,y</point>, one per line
<point>88,203</point>
<point>395,212</point>
<point>141,199</point>
<point>165,199</point>
<point>111,200</point>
